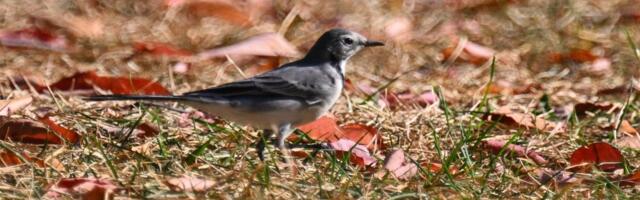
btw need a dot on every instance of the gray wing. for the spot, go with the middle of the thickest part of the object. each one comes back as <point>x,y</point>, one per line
<point>278,83</point>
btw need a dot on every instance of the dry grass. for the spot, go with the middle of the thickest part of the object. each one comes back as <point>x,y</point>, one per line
<point>522,32</point>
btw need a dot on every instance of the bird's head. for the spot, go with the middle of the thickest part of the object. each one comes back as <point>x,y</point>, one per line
<point>339,44</point>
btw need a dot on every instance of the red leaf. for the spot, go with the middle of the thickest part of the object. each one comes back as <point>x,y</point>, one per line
<point>496,146</point>
<point>603,155</point>
<point>83,188</point>
<point>189,184</point>
<point>27,131</point>
<point>512,119</point>
<point>359,153</point>
<point>10,106</point>
<point>578,55</point>
<point>149,130</point>
<point>34,38</point>
<point>159,49</point>
<point>117,85</point>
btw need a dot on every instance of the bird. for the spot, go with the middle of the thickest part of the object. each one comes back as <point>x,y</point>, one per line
<point>277,101</point>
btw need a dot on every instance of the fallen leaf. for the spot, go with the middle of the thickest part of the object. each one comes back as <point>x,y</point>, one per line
<point>10,106</point>
<point>159,49</point>
<point>8,158</point>
<point>323,129</point>
<point>582,108</point>
<point>399,29</point>
<point>189,184</point>
<point>117,85</point>
<point>43,131</point>
<point>362,134</point>
<point>512,119</point>
<point>599,66</point>
<point>266,44</point>
<point>396,100</point>
<point>577,55</point>
<point>82,188</point>
<point>34,38</point>
<point>558,177</point>
<point>148,130</point>
<point>437,168</point>
<point>626,128</point>
<point>359,153</point>
<point>497,145</point>
<point>396,163</point>
<point>221,9</point>
<point>631,180</point>
<point>601,154</point>
<point>471,52</point>
<point>632,142</point>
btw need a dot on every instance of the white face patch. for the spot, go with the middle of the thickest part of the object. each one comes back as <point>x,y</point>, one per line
<point>341,65</point>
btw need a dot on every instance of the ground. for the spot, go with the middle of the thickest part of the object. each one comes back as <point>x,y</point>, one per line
<point>453,77</point>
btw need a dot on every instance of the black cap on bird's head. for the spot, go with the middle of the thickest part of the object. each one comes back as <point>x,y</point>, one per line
<point>339,44</point>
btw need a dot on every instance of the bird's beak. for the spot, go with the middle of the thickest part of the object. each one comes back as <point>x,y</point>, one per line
<point>373,43</point>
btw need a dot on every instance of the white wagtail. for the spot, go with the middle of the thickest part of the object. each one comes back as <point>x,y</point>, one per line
<point>276,101</point>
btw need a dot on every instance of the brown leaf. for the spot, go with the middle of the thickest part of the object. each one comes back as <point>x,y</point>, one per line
<point>577,55</point>
<point>189,184</point>
<point>626,128</point>
<point>497,145</point>
<point>266,44</point>
<point>34,38</point>
<point>560,178</point>
<point>43,131</point>
<point>82,188</point>
<point>10,106</point>
<point>512,119</point>
<point>603,155</point>
<point>582,108</point>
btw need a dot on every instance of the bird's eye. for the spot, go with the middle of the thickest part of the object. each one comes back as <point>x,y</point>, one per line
<point>348,41</point>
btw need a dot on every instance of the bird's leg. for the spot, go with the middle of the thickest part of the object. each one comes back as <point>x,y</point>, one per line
<point>283,132</point>
<point>264,136</point>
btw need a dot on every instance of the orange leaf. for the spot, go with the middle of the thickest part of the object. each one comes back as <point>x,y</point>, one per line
<point>63,132</point>
<point>603,155</point>
<point>221,9</point>
<point>8,158</point>
<point>633,179</point>
<point>9,106</point>
<point>323,129</point>
<point>82,188</point>
<point>363,134</point>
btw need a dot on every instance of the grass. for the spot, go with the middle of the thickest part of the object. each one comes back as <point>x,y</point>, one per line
<point>450,132</point>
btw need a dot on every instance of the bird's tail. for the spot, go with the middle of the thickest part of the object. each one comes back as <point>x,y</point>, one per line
<point>119,97</point>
